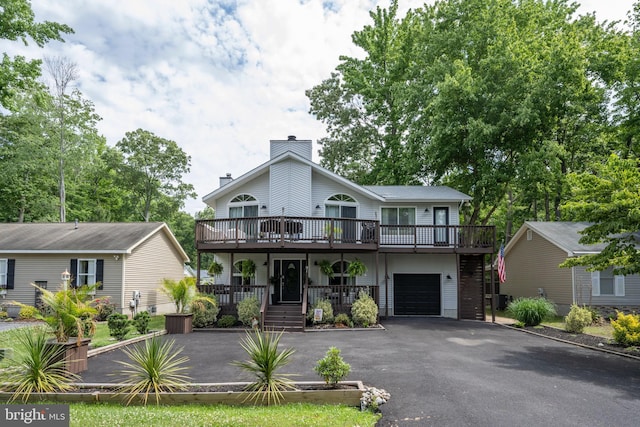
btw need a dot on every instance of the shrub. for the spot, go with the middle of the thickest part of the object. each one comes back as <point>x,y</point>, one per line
<point>626,329</point>
<point>205,311</point>
<point>28,312</point>
<point>327,311</point>
<point>227,321</point>
<point>141,322</point>
<point>531,311</point>
<point>364,310</point>
<point>264,361</point>
<point>248,309</point>
<point>153,368</point>
<point>104,309</point>
<point>332,367</point>
<point>577,319</point>
<point>36,366</point>
<point>118,325</point>
<point>343,319</point>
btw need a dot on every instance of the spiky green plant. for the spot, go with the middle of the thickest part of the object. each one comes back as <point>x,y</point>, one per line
<point>181,292</point>
<point>36,366</point>
<point>531,311</point>
<point>264,361</point>
<point>153,368</point>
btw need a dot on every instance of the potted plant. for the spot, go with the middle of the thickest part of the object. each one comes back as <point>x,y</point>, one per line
<point>182,293</point>
<point>248,269</point>
<point>215,268</point>
<point>70,315</point>
<point>326,268</point>
<point>356,268</point>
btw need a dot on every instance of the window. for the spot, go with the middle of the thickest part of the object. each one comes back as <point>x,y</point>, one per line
<point>86,272</point>
<point>237,279</point>
<point>243,206</point>
<point>340,206</point>
<point>7,269</point>
<point>398,216</point>
<point>605,283</point>
<point>3,273</point>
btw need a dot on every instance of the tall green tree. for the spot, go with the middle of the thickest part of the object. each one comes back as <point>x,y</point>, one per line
<point>17,22</point>
<point>608,197</point>
<point>153,169</point>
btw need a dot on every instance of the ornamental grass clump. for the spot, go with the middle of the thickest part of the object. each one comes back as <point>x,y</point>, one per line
<point>264,362</point>
<point>153,368</point>
<point>531,311</point>
<point>626,329</point>
<point>36,366</point>
<point>577,319</point>
<point>332,368</point>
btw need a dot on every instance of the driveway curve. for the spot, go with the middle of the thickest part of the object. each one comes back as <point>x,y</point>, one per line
<point>443,372</point>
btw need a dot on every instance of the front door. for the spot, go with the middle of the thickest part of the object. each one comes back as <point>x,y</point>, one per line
<point>290,272</point>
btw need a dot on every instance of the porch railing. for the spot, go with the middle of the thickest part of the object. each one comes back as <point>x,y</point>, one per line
<point>228,296</point>
<point>258,231</point>
<point>341,297</point>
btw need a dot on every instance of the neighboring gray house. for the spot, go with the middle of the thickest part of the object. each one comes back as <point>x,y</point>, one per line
<point>122,257</point>
<point>289,216</point>
<point>532,258</point>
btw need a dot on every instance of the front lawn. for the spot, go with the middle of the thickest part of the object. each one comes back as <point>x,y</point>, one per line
<point>218,415</point>
<point>102,337</point>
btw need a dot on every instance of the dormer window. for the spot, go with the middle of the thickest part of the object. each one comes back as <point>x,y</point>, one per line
<point>243,206</point>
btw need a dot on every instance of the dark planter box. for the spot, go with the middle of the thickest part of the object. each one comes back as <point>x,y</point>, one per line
<point>73,353</point>
<point>178,323</point>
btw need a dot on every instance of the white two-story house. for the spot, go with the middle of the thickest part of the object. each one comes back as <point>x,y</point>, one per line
<point>288,218</point>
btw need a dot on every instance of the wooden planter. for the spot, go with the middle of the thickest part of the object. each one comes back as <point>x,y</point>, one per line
<point>73,353</point>
<point>96,393</point>
<point>178,323</point>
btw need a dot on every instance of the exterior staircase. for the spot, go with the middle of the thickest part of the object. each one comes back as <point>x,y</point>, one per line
<point>287,317</point>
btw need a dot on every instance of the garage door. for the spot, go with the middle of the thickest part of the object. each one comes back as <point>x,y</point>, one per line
<point>416,294</point>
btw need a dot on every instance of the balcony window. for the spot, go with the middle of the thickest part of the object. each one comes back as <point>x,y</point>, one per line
<point>398,216</point>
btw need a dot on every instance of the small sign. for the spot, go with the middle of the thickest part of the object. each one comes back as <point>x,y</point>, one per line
<point>34,415</point>
<point>317,315</point>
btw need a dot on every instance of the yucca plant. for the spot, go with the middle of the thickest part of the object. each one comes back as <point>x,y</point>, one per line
<point>531,311</point>
<point>36,366</point>
<point>264,361</point>
<point>153,368</point>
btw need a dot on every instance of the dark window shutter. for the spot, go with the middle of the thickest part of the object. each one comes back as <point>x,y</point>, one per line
<point>100,272</point>
<point>73,270</point>
<point>11,272</point>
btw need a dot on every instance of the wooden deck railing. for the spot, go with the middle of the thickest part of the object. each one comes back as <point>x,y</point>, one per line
<point>341,296</point>
<point>266,232</point>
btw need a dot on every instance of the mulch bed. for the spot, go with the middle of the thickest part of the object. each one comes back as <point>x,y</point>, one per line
<point>583,339</point>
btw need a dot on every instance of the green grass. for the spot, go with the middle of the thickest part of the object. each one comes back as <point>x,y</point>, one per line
<point>605,330</point>
<point>102,337</point>
<point>208,415</point>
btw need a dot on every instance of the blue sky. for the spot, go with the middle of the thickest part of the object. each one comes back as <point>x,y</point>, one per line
<point>221,78</point>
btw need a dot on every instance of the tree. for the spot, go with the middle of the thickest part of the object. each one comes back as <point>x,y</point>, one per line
<point>17,21</point>
<point>63,72</point>
<point>152,169</point>
<point>608,197</point>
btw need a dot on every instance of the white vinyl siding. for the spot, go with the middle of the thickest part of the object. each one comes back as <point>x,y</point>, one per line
<point>290,188</point>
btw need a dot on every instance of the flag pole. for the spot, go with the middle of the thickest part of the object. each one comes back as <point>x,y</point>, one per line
<point>493,283</point>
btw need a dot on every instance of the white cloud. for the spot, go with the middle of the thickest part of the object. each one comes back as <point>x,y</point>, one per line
<point>220,78</point>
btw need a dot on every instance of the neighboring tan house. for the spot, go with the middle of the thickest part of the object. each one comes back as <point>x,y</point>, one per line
<point>532,258</point>
<point>289,216</point>
<point>121,257</point>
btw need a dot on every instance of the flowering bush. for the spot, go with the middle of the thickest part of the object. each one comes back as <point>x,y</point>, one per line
<point>104,307</point>
<point>626,329</point>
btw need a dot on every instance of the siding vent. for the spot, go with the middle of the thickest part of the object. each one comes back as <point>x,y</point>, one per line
<point>529,234</point>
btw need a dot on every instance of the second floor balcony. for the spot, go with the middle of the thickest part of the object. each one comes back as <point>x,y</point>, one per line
<point>312,234</point>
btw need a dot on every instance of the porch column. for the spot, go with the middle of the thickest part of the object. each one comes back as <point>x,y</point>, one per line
<point>198,268</point>
<point>386,287</point>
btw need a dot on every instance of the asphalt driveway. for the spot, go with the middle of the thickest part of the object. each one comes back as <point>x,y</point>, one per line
<point>444,372</point>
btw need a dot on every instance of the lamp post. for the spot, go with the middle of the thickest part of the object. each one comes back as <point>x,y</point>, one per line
<point>65,276</point>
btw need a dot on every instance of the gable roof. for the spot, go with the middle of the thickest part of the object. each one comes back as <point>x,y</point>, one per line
<point>398,193</point>
<point>87,237</point>
<point>563,234</point>
<point>263,168</point>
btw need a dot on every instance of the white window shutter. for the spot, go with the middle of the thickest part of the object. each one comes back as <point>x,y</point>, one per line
<point>595,283</point>
<point>618,287</point>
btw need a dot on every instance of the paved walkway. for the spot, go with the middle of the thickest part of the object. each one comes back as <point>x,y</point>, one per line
<point>443,372</point>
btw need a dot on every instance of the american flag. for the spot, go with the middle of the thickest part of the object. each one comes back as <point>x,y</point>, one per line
<point>502,273</point>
